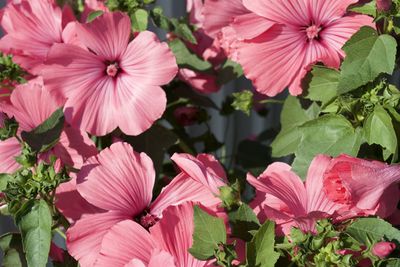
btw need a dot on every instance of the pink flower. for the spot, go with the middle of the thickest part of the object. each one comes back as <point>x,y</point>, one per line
<point>3,117</point>
<point>31,27</point>
<point>282,196</point>
<point>383,5</point>
<point>383,249</point>
<point>368,186</point>
<point>166,244</point>
<point>111,82</point>
<point>31,104</point>
<point>279,42</point>
<point>194,8</point>
<point>119,183</point>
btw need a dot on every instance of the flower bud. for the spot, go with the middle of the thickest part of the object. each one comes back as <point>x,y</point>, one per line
<point>383,249</point>
<point>186,116</point>
<point>383,5</point>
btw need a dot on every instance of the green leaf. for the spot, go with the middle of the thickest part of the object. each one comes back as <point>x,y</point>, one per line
<point>187,59</point>
<point>367,9</point>
<point>154,142</point>
<point>139,20</point>
<point>209,233</point>
<point>13,254</point>
<point>4,178</point>
<point>371,230</point>
<point>260,251</point>
<point>46,135</point>
<point>34,221</point>
<point>243,221</point>
<point>378,129</point>
<point>179,28</point>
<point>94,15</point>
<point>229,71</point>
<point>392,263</point>
<point>243,101</point>
<point>367,55</point>
<point>323,84</point>
<point>331,135</point>
<point>292,116</point>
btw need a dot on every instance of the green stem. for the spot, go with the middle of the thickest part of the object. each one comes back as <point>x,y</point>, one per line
<point>60,232</point>
<point>271,101</point>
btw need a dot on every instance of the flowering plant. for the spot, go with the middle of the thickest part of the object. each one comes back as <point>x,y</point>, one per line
<point>102,163</point>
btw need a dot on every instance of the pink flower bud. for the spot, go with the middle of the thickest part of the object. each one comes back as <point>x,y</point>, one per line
<point>383,5</point>
<point>186,116</point>
<point>383,249</point>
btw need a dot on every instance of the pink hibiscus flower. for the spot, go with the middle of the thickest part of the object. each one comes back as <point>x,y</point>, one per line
<point>289,36</point>
<point>194,8</point>
<point>283,197</point>
<point>31,27</point>
<point>112,83</point>
<point>368,187</point>
<point>166,244</point>
<point>26,106</point>
<point>119,183</point>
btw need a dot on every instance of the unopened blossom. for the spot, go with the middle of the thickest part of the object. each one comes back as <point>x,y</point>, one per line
<point>383,249</point>
<point>383,5</point>
<point>277,48</point>
<point>111,81</point>
<point>119,184</point>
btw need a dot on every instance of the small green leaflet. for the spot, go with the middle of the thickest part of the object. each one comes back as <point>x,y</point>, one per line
<point>378,129</point>
<point>260,251</point>
<point>243,101</point>
<point>139,20</point>
<point>367,9</point>
<point>13,254</point>
<point>187,59</point>
<point>209,233</point>
<point>34,221</point>
<point>367,55</point>
<point>323,84</point>
<point>243,221</point>
<point>94,15</point>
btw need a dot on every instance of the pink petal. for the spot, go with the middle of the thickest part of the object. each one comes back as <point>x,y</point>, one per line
<point>125,241</point>
<point>174,233</point>
<point>201,82</point>
<point>85,237</point>
<point>74,147</point>
<point>9,149</point>
<point>32,26</point>
<point>147,61</point>
<point>250,26</point>
<point>121,180</point>
<point>283,184</point>
<point>135,115</point>
<point>71,204</point>
<point>182,189</point>
<point>220,13</point>
<point>204,169</point>
<point>107,35</point>
<point>27,104</point>
<point>317,200</point>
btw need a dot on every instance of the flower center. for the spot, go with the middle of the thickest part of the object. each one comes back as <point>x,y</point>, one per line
<point>335,189</point>
<point>146,219</point>
<point>112,69</point>
<point>313,32</point>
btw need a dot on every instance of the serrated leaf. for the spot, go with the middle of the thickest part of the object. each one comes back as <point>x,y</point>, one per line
<point>378,129</point>
<point>187,59</point>
<point>139,20</point>
<point>94,15</point>
<point>292,116</point>
<point>367,55</point>
<point>260,251</point>
<point>371,230</point>
<point>209,233</point>
<point>13,254</point>
<point>4,178</point>
<point>331,135</point>
<point>34,222</point>
<point>323,84</point>
<point>47,134</point>
<point>243,221</point>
